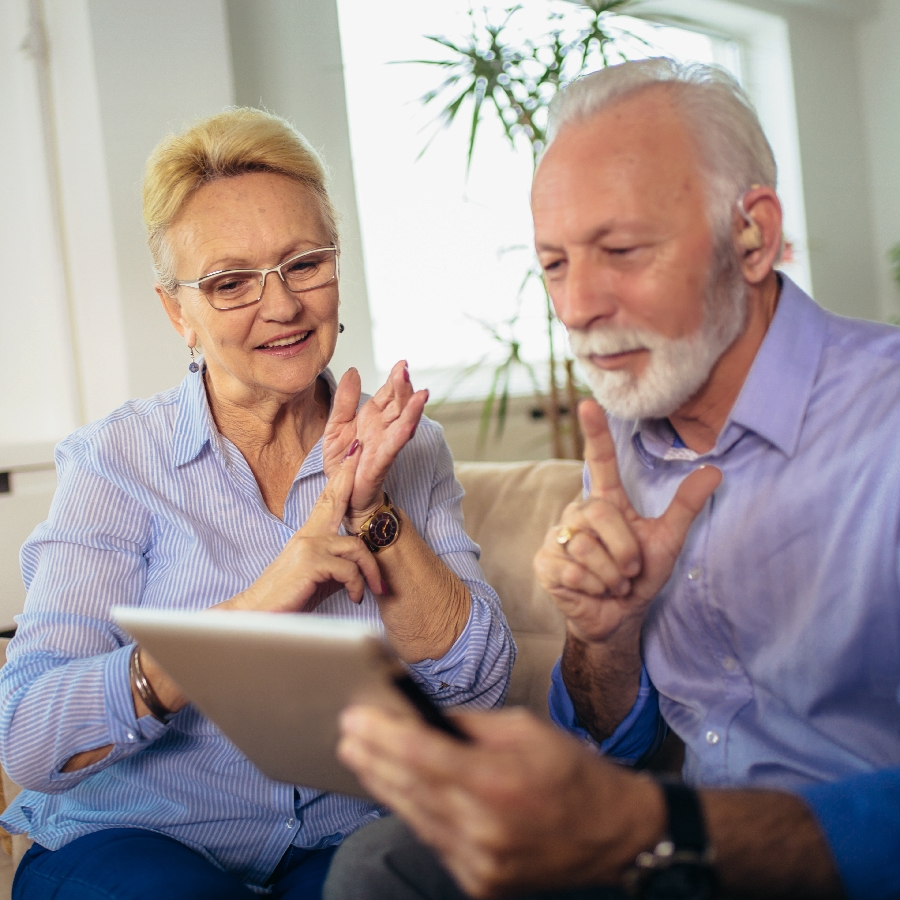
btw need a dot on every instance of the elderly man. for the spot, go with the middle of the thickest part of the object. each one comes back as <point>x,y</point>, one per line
<point>733,565</point>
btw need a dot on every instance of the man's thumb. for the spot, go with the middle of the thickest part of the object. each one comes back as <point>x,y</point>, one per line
<point>689,499</point>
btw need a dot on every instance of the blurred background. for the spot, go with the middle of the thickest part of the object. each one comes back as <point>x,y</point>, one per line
<point>433,251</point>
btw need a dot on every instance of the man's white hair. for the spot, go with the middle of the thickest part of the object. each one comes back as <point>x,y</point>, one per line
<point>733,150</point>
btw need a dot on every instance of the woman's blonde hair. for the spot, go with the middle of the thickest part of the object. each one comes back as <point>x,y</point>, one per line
<point>231,143</point>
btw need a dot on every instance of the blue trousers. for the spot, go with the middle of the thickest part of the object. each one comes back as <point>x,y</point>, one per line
<point>134,864</point>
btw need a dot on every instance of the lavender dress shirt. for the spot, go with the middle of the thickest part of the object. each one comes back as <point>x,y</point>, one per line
<point>773,651</point>
<point>775,645</point>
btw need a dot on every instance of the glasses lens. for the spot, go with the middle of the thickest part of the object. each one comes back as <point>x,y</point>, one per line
<point>230,288</point>
<point>309,270</point>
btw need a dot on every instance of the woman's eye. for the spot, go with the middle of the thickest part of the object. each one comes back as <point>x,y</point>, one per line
<point>230,285</point>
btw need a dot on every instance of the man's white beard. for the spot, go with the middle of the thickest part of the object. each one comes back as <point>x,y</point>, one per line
<point>677,367</point>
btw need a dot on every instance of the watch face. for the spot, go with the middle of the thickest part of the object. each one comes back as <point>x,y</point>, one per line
<point>383,529</point>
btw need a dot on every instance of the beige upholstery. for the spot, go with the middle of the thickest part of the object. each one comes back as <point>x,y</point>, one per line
<point>508,508</point>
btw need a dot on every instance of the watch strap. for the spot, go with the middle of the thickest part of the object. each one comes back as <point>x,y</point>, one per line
<point>686,828</point>
<point>680,867</point>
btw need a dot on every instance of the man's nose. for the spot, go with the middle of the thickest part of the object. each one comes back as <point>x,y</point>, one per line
<point>583,298</point>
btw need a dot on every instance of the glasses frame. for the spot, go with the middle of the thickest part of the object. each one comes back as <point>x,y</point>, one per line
<point>263,273</point>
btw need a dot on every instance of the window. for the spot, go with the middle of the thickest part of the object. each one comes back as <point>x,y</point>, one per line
<point>446,252</point>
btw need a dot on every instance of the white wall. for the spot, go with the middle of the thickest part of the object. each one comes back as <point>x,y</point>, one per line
<point>160,64</point>
<point>38,400</point>
<point>830,92</point>
<point>878,49</point>
<point>287,59</point>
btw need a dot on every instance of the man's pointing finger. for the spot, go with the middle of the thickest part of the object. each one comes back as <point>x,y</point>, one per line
<point>600,455</point>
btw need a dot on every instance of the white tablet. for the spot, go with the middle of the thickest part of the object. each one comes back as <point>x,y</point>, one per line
<point>275,683</point>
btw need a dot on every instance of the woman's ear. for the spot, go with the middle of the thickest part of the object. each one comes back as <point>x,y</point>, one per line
<point>758,232</point>
<point>173,309</point>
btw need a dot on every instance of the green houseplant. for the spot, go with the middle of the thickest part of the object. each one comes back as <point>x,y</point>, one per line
<point>496,74</point>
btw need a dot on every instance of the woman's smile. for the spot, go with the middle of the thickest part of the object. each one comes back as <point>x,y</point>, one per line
<point>288,345</point>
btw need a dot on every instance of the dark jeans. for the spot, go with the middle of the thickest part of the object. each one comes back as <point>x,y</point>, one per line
<point>134,864</point>
<point>384,861</point>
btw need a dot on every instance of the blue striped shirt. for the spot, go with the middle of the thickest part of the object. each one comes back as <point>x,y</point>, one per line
<point>155,508</point>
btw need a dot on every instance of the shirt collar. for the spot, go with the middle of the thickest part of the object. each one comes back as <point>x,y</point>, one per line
<point>774,398</point>
<point>772,403</point>
<point>195,426</point>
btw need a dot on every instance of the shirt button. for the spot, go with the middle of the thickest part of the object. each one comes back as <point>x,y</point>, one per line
<point>289,823</point>
<point>695,574</point>
<point>712,737</point>
<point>130,736</point>
<point>729,664</point>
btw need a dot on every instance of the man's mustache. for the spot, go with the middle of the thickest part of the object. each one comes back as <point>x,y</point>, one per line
<point>609,341</point>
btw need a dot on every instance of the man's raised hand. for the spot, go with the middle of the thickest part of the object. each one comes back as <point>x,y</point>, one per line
<point>615,561</point>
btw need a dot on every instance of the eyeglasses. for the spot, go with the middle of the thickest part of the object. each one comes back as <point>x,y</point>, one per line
<point>232,288</point>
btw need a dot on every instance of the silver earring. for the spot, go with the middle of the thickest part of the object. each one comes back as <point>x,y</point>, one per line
<point>193,367</point>
<point>340,327</point>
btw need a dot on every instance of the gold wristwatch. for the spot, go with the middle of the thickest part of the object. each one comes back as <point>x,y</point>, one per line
<point>382,528</point>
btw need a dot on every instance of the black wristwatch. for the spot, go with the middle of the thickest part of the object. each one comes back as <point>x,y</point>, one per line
<point>382,528</point>
<point>680,867</point>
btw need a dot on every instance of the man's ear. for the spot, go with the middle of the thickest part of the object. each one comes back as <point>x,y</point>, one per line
<point>173,309</point>
<point>758,233</point>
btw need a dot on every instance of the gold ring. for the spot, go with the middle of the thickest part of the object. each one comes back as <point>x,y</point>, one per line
<point>564,536</point>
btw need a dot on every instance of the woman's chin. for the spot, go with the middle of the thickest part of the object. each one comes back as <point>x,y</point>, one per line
<point>274,376</point>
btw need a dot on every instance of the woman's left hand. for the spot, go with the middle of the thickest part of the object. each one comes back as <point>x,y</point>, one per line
<point>383,427</point>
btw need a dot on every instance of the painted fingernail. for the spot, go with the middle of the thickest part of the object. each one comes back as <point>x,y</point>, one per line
<point>353,448</point>
<point>384,587</point>
<point>406,374</point>
<point>623,587</point>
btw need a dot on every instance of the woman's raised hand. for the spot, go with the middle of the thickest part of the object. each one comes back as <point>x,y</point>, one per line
<point>317,561</point>
<point>383,426</point>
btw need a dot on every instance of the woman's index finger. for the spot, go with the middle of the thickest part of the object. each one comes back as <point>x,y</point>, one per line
<point>600,453</point>
<point>346,398</point>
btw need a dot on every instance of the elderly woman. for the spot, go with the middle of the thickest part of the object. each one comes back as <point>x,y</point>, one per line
<point>214,494</point>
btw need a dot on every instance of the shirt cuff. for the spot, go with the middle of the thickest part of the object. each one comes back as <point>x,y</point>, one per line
<point>453,668</point>
<point>124,730</point>
<point>121,719</point>
<point>638,735</point>
<point>860,818</point>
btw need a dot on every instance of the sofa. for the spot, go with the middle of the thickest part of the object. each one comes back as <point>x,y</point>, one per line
<point>508,508</point>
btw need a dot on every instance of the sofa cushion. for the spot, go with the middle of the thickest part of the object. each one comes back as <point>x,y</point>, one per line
<point>508,508</point>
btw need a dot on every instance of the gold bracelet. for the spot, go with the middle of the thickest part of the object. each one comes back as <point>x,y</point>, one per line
<point>145,689</point>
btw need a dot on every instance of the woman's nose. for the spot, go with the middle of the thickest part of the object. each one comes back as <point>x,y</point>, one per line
<point>277,302</point>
